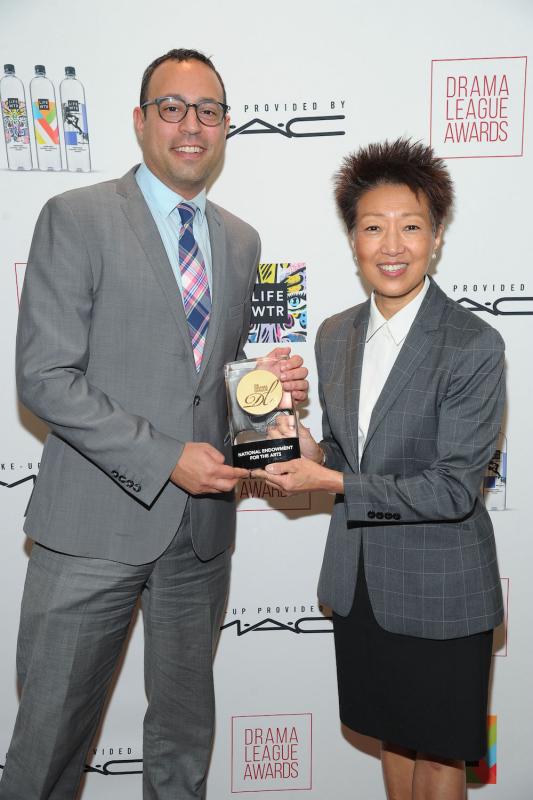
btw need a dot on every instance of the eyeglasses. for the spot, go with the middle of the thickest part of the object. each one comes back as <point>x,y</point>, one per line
<point>175,109</point>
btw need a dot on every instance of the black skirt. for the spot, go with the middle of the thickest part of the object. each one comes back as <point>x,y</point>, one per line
<point>427,695</point>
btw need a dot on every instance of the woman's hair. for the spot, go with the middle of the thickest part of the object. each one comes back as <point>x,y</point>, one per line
<point>402,162</point>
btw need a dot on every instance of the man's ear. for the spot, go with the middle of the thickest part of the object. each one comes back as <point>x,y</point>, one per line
<point>138,123</point>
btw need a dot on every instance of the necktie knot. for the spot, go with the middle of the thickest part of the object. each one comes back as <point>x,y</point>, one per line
<point>187,212</point>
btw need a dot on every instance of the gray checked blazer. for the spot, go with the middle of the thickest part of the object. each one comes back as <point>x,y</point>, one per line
<point>104,357</point>
<point>415,502</point>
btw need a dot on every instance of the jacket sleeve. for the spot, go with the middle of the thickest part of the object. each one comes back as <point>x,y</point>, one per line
<point>333,452</point>
<point>53,355</point>
<point>468,428</point>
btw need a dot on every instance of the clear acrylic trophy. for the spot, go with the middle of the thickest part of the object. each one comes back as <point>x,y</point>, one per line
<point>262,420</point>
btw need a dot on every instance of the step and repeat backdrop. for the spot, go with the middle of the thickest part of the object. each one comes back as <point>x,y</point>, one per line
<point>306,84</point>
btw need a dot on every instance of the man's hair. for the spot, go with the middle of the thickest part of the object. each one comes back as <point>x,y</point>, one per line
<point>180,54</point>
<point>402,162</point>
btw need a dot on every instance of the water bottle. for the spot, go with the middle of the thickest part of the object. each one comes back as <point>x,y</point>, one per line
<point>45,124</point>
<point>495,480</point>
<point>75,122</point>
<point>15,117</point>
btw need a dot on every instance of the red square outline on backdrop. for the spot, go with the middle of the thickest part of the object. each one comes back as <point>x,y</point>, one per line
<point>305,507</point>
<point>281,714</point>
<point>481,58</point>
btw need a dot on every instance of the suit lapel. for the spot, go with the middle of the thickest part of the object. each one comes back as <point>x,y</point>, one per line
<point>217,239</point>
<point>355,348</point>
<point>145,230</point>
<point>411,355</point>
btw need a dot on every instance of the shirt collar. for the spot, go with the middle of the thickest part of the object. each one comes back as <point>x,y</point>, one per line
<point>399,324</point>
<point>164,198</point>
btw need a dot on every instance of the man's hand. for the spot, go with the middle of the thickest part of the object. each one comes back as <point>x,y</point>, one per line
<point>293,374</point>
<point>201,470</point>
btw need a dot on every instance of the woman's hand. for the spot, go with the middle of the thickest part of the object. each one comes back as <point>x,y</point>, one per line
<point>292,374</point>
<point>284,427</point>
<point>301,475</point>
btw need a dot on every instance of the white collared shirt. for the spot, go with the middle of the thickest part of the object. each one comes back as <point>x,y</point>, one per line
<point>162,202</point>
<point>384,340</point>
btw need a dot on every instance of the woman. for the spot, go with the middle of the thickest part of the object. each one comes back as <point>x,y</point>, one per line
<point>412,390</point>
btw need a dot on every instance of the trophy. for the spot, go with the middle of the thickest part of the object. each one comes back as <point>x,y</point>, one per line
<point>262,420</point>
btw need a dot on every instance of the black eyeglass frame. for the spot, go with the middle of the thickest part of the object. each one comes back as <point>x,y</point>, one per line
<point>158,100</point>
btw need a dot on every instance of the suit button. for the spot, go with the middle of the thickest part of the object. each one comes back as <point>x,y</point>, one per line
<point>122,478</point>
<point>137,487</point>
<point>114,473</point>
<point>379,515</point>
<point>388,515</point>
<point>371,514</point>
<point>396,516</point>
<point>129,484</point>
<point>196,401</point>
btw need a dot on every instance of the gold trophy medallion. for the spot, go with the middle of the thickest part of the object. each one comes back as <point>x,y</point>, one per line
<point>259,392</point>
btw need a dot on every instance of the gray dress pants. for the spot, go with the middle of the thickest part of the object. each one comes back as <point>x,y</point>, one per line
<point>74,620</point>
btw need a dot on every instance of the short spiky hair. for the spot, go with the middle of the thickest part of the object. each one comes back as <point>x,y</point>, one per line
<point>180,54</point>
<point>402,162</point>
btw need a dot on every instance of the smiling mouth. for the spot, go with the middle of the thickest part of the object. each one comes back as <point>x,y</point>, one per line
<point>189,148</point>
<point>392,269</point>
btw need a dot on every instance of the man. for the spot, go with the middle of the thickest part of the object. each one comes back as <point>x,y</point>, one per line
<point>137,292</point>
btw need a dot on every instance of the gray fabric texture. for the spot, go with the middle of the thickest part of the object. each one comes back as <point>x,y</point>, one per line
<point>75,617</point>
<point>104,357</point>
<point>415,499</point>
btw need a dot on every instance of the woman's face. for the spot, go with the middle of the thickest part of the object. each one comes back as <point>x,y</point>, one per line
<point>394,241</point>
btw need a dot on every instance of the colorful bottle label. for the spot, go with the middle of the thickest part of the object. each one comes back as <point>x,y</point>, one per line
<point>15,121</point>
<point>495,480</point>
<point>75,123</point>
<point>45,122</point>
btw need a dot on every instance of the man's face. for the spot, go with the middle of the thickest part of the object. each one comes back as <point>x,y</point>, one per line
<point>183,155</point>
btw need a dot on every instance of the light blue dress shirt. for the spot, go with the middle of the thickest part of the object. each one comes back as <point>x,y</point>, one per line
<point>162,202</point>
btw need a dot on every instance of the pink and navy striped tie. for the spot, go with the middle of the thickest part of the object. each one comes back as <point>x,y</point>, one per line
<point>196,294</point>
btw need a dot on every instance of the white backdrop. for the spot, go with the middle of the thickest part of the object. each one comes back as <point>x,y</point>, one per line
<point>453,75</point>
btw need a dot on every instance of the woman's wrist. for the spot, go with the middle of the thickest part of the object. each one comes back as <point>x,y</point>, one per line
<point>333,481</point>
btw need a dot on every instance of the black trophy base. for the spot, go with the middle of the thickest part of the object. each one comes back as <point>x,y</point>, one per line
<point>256,455</point>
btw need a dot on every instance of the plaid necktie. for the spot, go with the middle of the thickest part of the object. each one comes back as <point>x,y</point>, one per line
<point>196,295</point>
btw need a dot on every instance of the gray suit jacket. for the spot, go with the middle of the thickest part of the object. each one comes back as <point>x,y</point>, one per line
<point>104,357</point>
<point>414,502</point>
